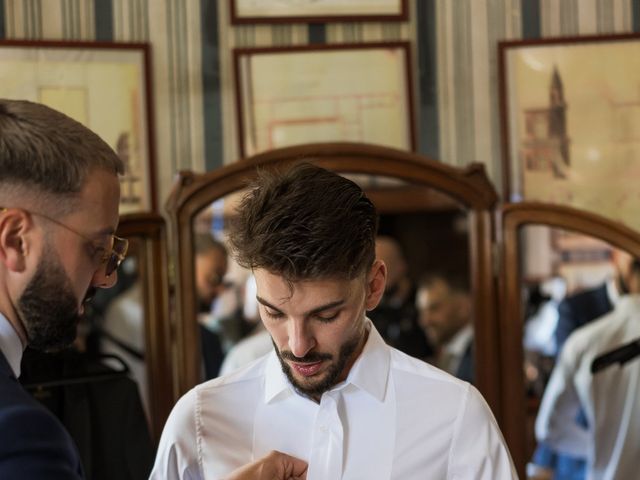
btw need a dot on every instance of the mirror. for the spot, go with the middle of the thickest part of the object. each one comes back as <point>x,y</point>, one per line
<point>562,273</point>
<point>421,185</point>
<point>555,259</point>
<point>132,320</point>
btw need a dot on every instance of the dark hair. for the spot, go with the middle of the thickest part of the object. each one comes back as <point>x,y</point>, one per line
<point>44,149</point>
<point>204,243</point>
<point>305,223</point>
<point>456,281</point>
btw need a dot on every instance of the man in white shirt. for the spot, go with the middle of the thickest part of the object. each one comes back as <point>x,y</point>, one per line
<point>331,392</point>
<point>444,304</point>
<point>610,399</point>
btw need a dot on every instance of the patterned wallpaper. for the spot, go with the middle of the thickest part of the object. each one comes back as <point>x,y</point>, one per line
<point>454,47</point>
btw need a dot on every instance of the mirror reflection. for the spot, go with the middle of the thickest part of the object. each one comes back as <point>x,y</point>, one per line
<point>573,287</point>
<point>426,309</point>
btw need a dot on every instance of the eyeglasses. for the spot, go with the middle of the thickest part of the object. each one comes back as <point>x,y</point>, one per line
<point>111,259</point>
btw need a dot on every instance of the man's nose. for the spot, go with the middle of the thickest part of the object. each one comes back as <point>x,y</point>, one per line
<point>100,280</point>
<point>301,340</point>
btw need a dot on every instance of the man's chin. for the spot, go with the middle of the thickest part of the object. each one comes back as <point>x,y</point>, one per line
<point>309,385</point>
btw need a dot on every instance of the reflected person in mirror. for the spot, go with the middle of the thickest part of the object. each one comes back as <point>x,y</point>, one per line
<point>220,313</point>
<point>210,269</point>
<point>59,198</point>
<point>575,311</point>
<point>444,303</point>
<point>396,316</point>
<point>331,393</point>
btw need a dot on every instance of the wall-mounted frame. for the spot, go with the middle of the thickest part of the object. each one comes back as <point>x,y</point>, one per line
<point>570,111</point>
<point>105,86</point>
<point>316,11</point>
<point>324,93</point>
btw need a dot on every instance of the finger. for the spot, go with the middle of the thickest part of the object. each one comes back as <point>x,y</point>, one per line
<point>294,467</point>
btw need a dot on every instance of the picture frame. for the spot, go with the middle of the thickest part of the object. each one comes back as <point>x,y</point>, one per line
<point>324,93</point>
<point>106,87</point>
<point>317,11</point>
<point>570,122</point>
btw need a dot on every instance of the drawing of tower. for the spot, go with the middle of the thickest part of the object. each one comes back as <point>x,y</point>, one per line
<point>545,146</point>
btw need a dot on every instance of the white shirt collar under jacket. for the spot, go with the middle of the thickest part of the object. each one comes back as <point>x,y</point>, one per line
<point>10,345</point>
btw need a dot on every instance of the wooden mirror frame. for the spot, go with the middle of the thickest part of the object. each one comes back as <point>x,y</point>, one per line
<point>513,218</point>
<point>150,230</point>
<point>469,186</point>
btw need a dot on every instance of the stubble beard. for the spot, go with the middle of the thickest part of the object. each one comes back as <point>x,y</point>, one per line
<point>309,387</point>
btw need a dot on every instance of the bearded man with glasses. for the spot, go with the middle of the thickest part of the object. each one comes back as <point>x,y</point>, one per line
<point>59,197</point>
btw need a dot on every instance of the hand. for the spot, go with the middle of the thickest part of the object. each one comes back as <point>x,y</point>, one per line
<point>273,466</point>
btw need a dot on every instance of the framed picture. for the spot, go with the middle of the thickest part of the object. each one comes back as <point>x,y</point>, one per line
<point>570,111</point>
<point>324,93</point>
<point>316,11</point>
<point>104,86</point>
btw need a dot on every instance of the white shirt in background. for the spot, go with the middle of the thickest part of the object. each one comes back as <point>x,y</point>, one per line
<point>610,398</point>
<point>394,417</point>
<point>246,351</point>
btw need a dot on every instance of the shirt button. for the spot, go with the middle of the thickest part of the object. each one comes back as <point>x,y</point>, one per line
<point>322,428</point>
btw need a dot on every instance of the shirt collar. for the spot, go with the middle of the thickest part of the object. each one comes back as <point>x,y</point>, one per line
<point>612,291</point>
<point>370,372</point>
<point>628,305</point>
<point>10,345</point>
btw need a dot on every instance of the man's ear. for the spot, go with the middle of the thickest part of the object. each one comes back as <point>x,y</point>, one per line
<point>376,281</point>
<point>14,241</point>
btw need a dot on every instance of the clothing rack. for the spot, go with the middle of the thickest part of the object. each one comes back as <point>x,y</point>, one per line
<point>84,378</point>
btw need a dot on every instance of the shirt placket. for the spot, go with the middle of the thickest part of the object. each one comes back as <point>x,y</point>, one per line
<point>325,461</point>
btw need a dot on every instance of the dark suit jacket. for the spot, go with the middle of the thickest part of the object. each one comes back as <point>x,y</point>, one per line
<point>466,370</point>
<point>33,443</point>
<point>579,309</point>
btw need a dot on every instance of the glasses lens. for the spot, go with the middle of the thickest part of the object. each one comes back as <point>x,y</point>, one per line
<point>120,246</point>
<point>112,264</point>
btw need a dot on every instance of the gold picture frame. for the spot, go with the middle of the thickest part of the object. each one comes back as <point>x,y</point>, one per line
<point>316,11</point>
<point>324,93</point>
<point>106,87</point>
<point>570,113</point>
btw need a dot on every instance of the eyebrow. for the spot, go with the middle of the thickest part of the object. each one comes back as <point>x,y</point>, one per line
<point>104,232</point>
<point>321,308</point>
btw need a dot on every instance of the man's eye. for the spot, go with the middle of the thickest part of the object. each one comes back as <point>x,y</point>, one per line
<point>99,253</point>
<point>327,318</point>
<point>273,314</point>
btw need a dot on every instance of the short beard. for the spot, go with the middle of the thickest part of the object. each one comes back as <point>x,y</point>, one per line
<point>48,308</point>
<point>332,374</point>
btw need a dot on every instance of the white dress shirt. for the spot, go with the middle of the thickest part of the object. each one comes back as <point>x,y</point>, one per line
<point>394,417</point>
<point>610,398</point>
<point>10,345</point>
